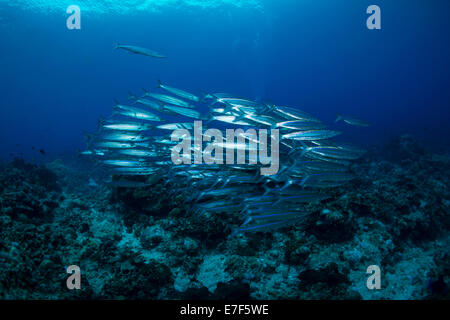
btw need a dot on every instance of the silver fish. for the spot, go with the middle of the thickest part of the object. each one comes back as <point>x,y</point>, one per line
<point>127,126</point>
<point>124,137</point>
<point>300,125</point>
<point>135,171</point>
<point>139,114</point>
<point>264,120</point>
<point>175,126</point>
<point>352,121</point>
<point>231,119</point>
<point>115,145</point>
<point>311,135</point>
<point>128,184</point>
<point>93,153</point>
<point>155,105</point>
<point>137,153</point>
<point>248,226</point>
<point>139,50</point>
<point>178,92</point>
<point>291,113</point>
<point>123,163</point>
<point>168,99</point>
<point>183,111</point>
<point>235,146</point>
<point>334,152</point>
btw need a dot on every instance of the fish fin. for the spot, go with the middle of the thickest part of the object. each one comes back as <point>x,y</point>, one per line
<point>293,165</point>
<point>270,106</point>
<point>131,96</point>
<point>209,121</point>
<point>203,97</point>
<point>228,107</point>
<point>101,122</point>
<point>116,46</point>
<point>267,190</point>
<point>159,84</point>
<point>146,92</point>
<point>286,185</point>
<point>247,221</point>
<point>338,118</point>
<point>88,138</point>
<point>244,209</point>
<point>304,148</point>
<point>200,196</point>
<point>217,182</point>
<point>302,183</point>
<point>240,117</point>
<point>293,150</point>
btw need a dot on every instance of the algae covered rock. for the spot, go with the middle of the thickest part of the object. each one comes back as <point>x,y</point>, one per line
<point>138,281</point>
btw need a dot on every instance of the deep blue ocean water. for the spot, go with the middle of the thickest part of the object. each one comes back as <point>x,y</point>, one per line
<point>316,55</point>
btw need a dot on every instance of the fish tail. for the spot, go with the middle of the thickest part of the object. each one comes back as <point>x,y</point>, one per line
<point>116,46</point>
<point>209,121</point>
<point>292,151</point>
<point>244,209</point>
<point>303,182</point>
<point>131,96</point>
<point>267,190</point>
<point>277,202</point>
<point>292,166</point>
<point>88,138</point>
<point>203,97</point>
<point>286,185</point>
<point>304,148</point>
<point>219,180</point>
<point>228,107</point>
<point>101,122</point>
<point>338,118</point>
<point>200,196</point>
<point>240,117</point>
<point>269,106</point>
<point>159,84</point>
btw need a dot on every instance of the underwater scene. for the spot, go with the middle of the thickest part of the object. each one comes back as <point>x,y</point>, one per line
<point>224,149</point>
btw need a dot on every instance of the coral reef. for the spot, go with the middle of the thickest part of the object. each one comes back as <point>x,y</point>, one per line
<point>143,244</point>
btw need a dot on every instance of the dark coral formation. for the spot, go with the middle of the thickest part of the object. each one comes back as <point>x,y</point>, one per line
<point>144,244</point>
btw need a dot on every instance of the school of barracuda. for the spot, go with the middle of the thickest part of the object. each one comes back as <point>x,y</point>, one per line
<point>134,145</point>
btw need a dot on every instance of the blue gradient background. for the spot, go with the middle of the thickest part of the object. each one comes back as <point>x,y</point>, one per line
<point>315,55</point>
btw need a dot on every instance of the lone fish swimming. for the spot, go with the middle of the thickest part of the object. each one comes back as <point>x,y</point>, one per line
<point>139,50</point>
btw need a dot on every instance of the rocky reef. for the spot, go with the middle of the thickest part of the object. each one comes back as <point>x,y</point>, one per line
<point>142,244</point>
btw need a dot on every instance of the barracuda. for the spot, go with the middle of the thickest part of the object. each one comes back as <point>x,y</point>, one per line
<point>139,50</point>
<point>168,99</point>
<point>226,170</point>
<point>127,126</point>
<point>178,92</point>
<point>311,135</point>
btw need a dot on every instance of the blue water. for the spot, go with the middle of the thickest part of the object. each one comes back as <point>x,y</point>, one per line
<point>315,55</point>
